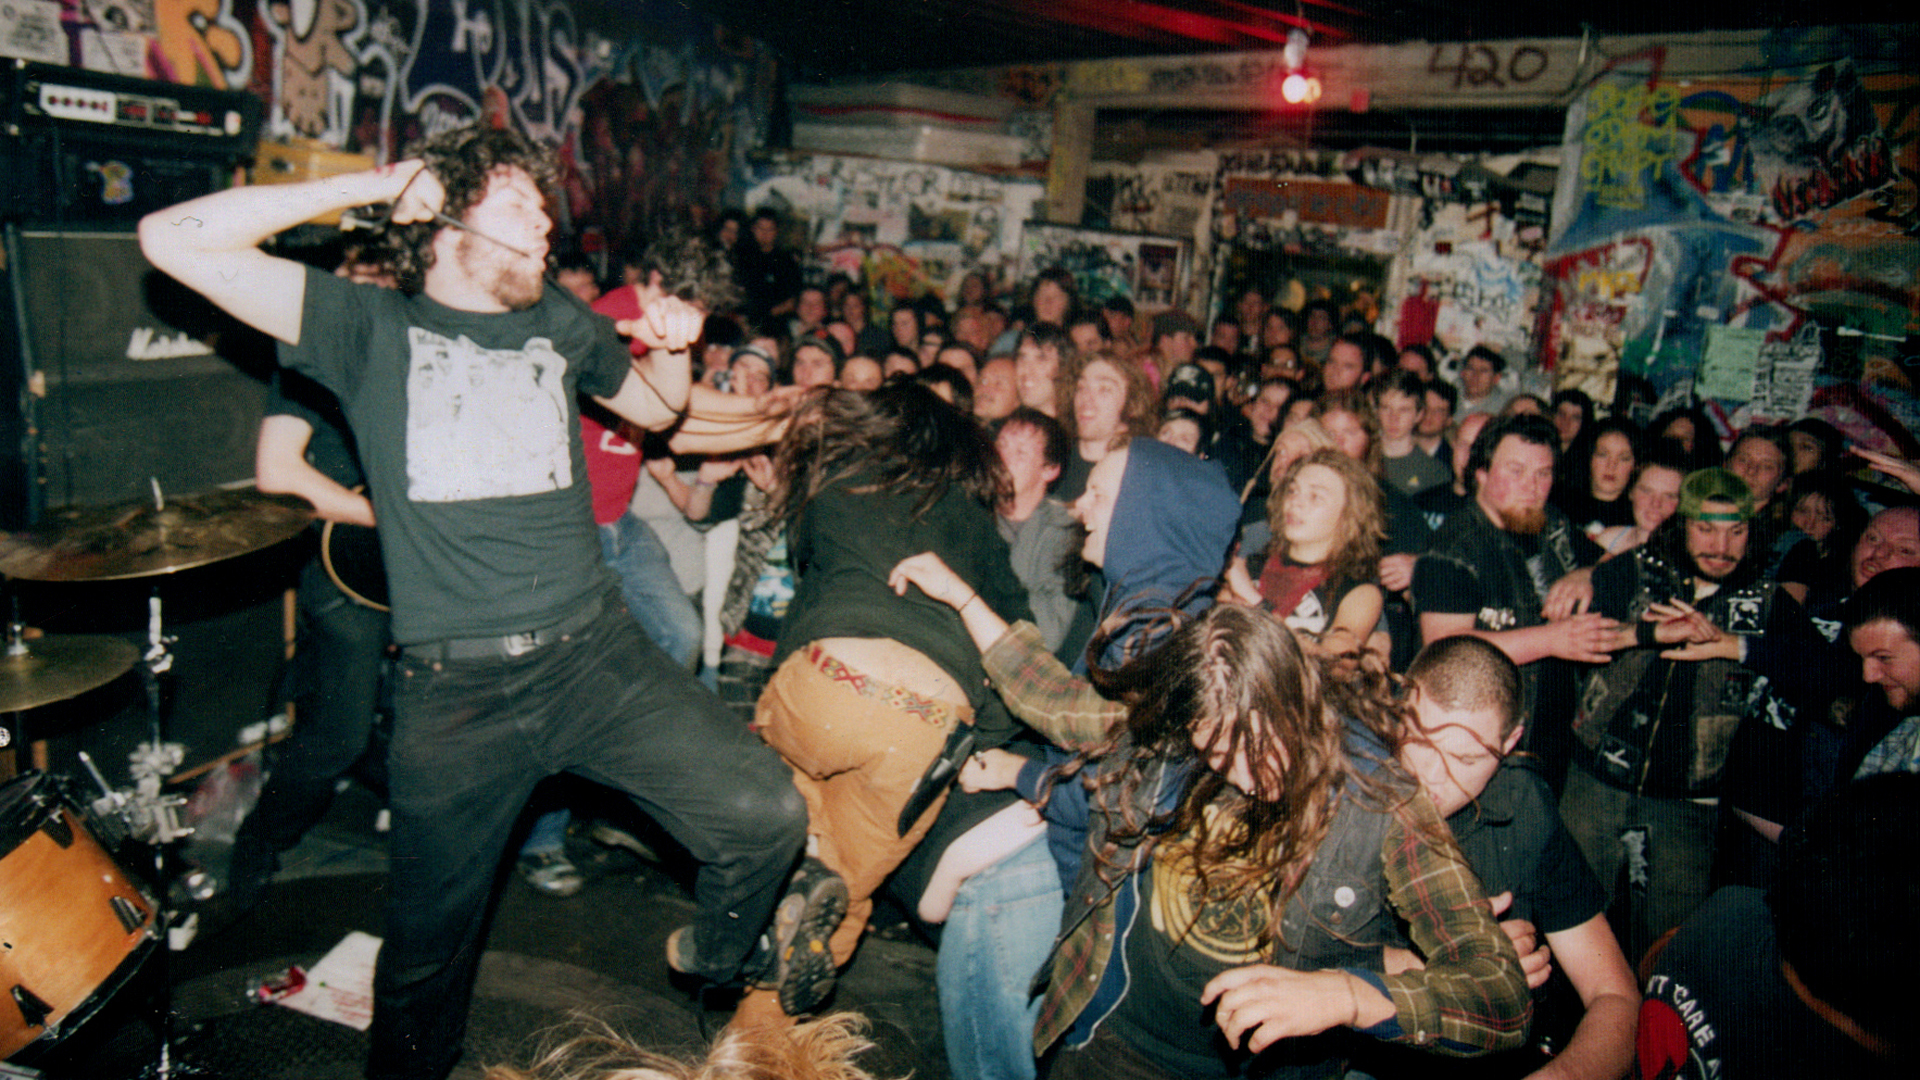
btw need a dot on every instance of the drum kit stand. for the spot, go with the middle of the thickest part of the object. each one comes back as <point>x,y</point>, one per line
<point>74,927</point>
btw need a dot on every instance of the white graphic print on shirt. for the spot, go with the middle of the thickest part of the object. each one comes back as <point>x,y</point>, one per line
<point>485,424</point>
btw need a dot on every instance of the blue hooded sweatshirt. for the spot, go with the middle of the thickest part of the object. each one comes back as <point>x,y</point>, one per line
<point>1173,521</point>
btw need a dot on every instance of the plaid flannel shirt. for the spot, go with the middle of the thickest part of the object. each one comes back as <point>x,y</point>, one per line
<point>1472,996</point>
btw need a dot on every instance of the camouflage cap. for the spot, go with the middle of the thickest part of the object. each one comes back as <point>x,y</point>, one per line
<point>1715,485</point>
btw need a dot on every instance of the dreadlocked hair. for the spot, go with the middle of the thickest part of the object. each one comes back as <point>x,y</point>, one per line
<point>901,439</point>
<point>1236,681</point>
<point>464,161</point>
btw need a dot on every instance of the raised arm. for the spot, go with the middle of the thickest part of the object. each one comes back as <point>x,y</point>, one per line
<point>1035,686</point>
<point>212,243</point>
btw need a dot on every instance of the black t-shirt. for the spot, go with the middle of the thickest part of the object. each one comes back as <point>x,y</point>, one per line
<point>1446,587</point>
<point>846,541</point>
<point>469,432</point>
<point>1513,838</point>
<point>1073,479</point>
<point>1171,955</point>
<point>1589,514</point>
<point>1719,1008</point>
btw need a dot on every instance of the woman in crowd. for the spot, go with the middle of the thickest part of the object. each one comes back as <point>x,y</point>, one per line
<point>1817,445</point>
<point>1248,841</point>
<point>868,339</point>
<point>1317,576</point>
<point>903,329</point>
<point>869,686</point>
<point>1572,415</point>
<point>1601,469</point>
<point>1654,496</point>
<point>1043,353</point>
<point>1828,519</point>
<point>1689,427</point>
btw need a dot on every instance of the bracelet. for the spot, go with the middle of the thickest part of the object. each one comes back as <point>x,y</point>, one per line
<point>1347,977</point>
<point>1644,635</point>
<point>706,484</point>
<point>963,604</point>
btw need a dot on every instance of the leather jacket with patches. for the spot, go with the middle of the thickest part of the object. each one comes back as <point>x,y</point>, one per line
<point>1663,727</point>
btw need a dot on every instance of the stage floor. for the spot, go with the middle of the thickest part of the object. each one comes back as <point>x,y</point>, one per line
<point>600,952</point>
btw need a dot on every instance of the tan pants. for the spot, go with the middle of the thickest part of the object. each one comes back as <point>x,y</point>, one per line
<point>857,745</point>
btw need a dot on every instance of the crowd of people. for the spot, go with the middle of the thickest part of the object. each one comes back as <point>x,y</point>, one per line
<point>1258,699</point>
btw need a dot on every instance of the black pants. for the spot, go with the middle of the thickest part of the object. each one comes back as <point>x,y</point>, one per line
<point>473,737</point>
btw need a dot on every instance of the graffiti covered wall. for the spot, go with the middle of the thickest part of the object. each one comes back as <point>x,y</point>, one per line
<point>910,229</point>
<point>1783,203</point>
<point>652,113</point>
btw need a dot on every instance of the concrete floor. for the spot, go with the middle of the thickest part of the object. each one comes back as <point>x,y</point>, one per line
<point>600,953</point>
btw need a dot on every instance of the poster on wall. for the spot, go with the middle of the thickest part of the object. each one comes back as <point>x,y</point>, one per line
<point>1720,218</point>
<point>1151,271</point>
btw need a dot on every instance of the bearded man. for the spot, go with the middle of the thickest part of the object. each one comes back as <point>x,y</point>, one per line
<point>1489,569</point>
<point>1653,728</point>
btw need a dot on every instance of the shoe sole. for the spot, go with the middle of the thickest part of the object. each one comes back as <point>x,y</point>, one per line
<point>804,970</point>
<point>606,836</point>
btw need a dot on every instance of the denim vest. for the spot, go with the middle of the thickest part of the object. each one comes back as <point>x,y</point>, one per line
<point>1338,918</point>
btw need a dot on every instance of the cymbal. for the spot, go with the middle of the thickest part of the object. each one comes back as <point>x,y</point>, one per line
<point>129,540</point>
<point>57,668</point>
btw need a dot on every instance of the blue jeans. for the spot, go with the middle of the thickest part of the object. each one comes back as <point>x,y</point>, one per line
<point>648,585</point>
<point>1000,931</point>
<point>471,740</point>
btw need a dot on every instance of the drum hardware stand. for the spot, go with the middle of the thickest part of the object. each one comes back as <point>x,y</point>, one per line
<point>137,539</point>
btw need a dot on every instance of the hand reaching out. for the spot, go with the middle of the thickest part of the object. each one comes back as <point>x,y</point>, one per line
<point>669,324</point>
<point>933,576</point>
<point>1587,639</point>
<point>1571,595</point>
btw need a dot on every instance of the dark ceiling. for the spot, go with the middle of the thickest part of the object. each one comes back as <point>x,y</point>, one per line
<point>856,40</point>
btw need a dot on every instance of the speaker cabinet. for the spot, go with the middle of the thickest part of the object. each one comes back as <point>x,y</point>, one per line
<point>126,377</point>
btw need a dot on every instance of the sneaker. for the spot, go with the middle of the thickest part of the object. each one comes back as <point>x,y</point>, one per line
<point>550,873</point>
<point>611,836</point>
<point>682,958</point>
<point>803,968</point>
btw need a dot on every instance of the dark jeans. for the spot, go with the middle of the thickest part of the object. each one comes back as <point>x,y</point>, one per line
<point>337,664</point>
<point>473,737</point>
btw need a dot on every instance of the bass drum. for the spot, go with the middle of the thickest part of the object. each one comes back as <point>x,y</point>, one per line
<point>73,926</point>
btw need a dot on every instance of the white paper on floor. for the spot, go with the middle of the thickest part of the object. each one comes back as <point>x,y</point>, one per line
<point>340,987</point>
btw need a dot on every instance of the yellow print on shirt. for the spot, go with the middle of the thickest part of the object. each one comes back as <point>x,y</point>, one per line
<point>1224,929</point>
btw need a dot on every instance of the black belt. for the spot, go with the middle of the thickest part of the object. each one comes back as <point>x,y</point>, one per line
<point>508,646</point>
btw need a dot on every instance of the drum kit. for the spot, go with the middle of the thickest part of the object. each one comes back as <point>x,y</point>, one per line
<point>74,926</point>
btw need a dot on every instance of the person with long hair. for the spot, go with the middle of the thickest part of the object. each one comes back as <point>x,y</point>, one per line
<point>869,687</point>
<point>1826,520</point>
<point>1599,472</point>
<point>1317,575</point>
<point>1106,398</point>
<point>1248,839</point>
<point>1654,496</point>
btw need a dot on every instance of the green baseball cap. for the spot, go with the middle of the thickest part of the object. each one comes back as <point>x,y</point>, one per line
<point>1715,485</point>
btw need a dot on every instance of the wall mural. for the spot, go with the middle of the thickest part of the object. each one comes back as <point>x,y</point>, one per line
<point>1785,204</point>
<point>651,116</point>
